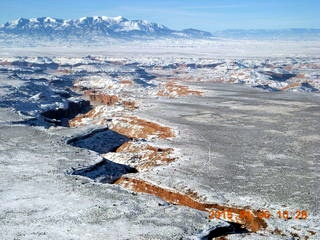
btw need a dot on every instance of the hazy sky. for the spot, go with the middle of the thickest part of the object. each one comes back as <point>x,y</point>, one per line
<point>208,15</point>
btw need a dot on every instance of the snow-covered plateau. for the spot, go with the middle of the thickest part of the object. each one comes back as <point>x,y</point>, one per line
<point>200,140</point>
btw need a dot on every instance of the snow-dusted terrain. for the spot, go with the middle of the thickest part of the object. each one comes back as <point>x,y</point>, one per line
<point>143,142</point>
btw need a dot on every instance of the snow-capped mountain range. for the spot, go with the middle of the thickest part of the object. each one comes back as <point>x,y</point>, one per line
<point>92,27</point>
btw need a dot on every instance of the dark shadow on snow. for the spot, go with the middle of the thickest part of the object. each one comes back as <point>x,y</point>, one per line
<point>279,77</point>
<point>101,140</point>
<point>47,102</point>
<point>233,228</point>
<point>105,171</point>
<point>61,116</point>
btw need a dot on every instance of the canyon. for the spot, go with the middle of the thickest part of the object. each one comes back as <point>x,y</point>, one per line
<point>151,145</point>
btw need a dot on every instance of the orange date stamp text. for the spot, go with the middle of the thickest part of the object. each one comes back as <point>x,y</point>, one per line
<point>230,214</point>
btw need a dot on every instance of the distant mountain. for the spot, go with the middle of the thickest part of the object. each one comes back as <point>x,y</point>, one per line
<point>99,31</point>
<point>88,28</point>
<point>277,34</point>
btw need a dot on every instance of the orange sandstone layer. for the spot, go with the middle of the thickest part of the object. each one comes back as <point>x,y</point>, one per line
<point>100,98</point>
<point>126,82</point>
<point>129,105</point>
<point>134,127</point>
<point>172,89</point>
<point>292,85</point>
<point>149,156</point>
<point>250,220</point>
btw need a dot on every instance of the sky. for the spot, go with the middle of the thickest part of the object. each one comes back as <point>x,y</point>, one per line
<point>209,15</point>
